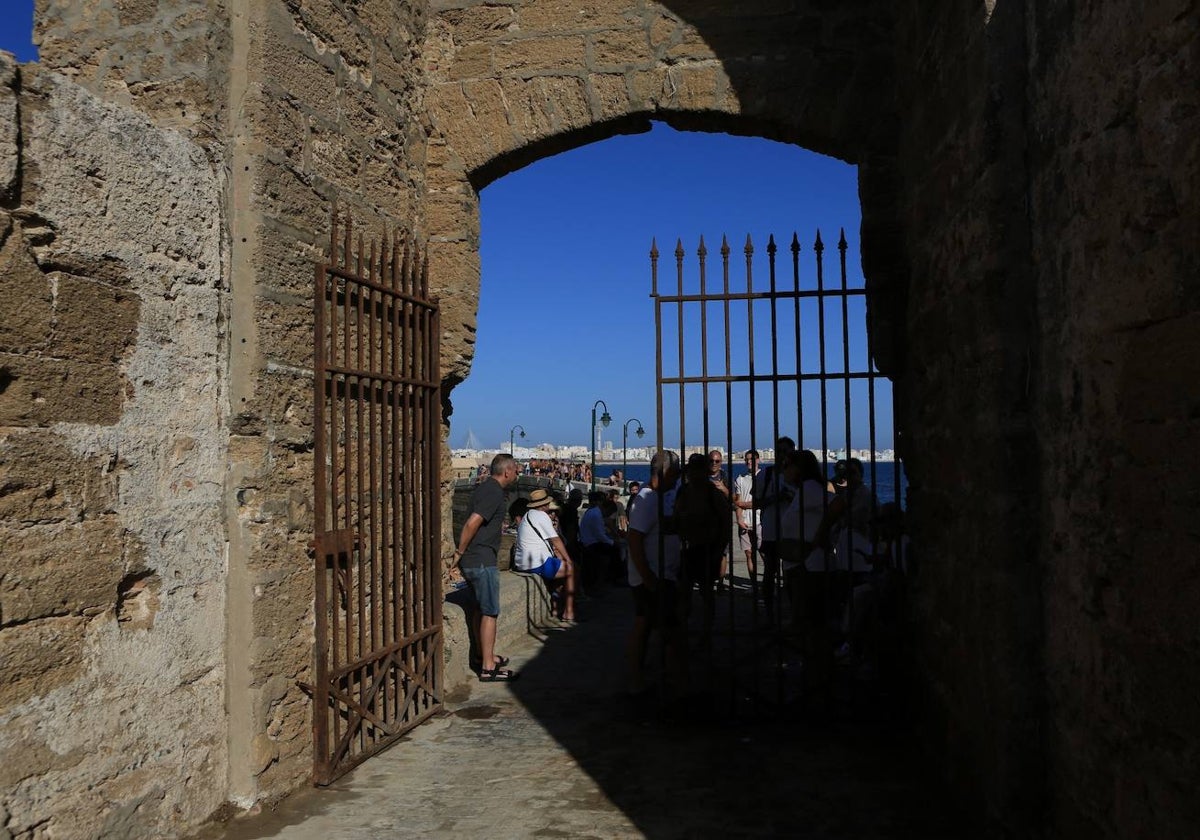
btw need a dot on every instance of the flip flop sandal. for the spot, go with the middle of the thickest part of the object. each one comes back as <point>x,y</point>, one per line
<point>501,661</point>
<point>497,675</point>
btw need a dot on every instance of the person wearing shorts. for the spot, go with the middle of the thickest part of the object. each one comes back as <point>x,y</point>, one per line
<point>478,545</point>
<point>540,550</point>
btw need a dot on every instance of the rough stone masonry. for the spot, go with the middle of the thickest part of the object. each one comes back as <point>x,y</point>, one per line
<point>1027,178</point>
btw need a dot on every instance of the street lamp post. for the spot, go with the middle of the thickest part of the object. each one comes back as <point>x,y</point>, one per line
<point>625,447</point>
<point>605,419</point>
<point>512,450</point>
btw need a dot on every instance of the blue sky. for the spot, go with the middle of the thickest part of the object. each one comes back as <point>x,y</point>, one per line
<point>565,313</point>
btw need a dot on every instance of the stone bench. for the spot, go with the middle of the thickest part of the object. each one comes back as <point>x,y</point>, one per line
<point>526,615</point>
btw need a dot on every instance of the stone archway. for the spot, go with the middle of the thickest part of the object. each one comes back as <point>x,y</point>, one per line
<point>509,84</point>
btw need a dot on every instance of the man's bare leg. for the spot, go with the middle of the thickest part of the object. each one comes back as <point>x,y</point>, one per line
<point>487,641</point>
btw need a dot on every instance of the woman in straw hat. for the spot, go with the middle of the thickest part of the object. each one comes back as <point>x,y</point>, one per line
<point>540,550</point>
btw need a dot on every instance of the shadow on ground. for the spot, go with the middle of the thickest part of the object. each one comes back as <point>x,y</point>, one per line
<point>745,753</point>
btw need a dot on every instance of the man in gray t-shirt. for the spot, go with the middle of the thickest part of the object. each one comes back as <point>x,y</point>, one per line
<point>478,545</point>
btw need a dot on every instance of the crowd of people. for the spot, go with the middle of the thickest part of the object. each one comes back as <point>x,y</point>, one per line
<point>823,559</point>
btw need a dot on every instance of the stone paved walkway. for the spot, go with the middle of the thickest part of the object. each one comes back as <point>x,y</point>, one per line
<point>563,752</point>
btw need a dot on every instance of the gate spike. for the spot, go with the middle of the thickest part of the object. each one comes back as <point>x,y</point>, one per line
<point>795,243</point>
<point>702,251</point>
<point>653,248</point>
<point>749,249</point>
<point>771,247</point>
<point>724,246</point>
<point>841,239</point>
<point>818,246</point>
<point>679,252</point>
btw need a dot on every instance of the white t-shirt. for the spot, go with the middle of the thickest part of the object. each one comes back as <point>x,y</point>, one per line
<point>743,489</point>
<point>531,549</point>
<point>644,520</point>
<point>800,521</point>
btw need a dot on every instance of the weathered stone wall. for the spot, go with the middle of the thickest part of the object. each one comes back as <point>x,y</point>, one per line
<point>1115,162</point>
<point>327,96</point>
<point>166,58</point>
<point>1048,158</point>
<point>111,461</point>
<point>966,403</point>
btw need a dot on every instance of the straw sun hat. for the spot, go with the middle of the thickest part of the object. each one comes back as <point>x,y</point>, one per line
<point>541,499</point>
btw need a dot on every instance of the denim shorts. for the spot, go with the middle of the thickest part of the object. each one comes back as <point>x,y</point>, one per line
<point>485,586</point>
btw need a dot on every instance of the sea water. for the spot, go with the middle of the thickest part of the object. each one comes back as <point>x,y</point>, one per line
<point>883,480</point>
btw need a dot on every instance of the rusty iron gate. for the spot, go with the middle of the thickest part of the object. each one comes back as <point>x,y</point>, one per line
<point>751,364</point>
<point>377,400</point>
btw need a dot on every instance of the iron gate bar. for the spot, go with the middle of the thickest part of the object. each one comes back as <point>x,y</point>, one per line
<point>376,403</point>
<point>680,380</point>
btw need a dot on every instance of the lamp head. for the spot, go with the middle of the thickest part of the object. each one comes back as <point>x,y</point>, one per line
<point>605,419</point>
<point>640,431</point>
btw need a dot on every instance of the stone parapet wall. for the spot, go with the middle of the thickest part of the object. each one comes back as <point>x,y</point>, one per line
<point>112,447</point>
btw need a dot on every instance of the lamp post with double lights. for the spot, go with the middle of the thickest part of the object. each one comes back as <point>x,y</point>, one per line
<point>512,450</point>
<point>625,447</point>
<point>605,419</point>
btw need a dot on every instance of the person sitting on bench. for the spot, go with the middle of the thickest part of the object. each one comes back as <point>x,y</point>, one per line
<point>540,550</point>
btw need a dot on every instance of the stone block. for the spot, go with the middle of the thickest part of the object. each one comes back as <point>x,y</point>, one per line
<point>41,391</point>
<point>309,80</point>
<point>480,23</point>
<point>531,56</point>
<point>473,61</point>
<point>42,481</point>
<point>285,331</point>
<point>618,50</point>
<point>94,322</point>
<point>530,113</point>
<point>38,657</point>
<point>691,47</point>
<point>10,154</point>
<point>610,95</point>
<point>695,86</point>
<point>575,15</point>
<point>566,97</point>
<point>61,569</point>
<point>26,317</point>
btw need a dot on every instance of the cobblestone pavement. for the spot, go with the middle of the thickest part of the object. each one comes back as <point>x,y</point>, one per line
<point>563,752</point>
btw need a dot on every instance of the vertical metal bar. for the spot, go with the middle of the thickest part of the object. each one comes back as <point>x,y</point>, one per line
<point>396,467</point>
<point>679,310</point>
<point>420,498</point>
<point>702,253</point>
<point>658,366</point>
<point>846,365</point>
<point>411,603</point>
<point>360,494</point>
<point>384,488</point>
<point>435,481</point>
<point>372,477</point>
<point>321,565</point>
<point>729,548</point>
<point>799,350</point>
